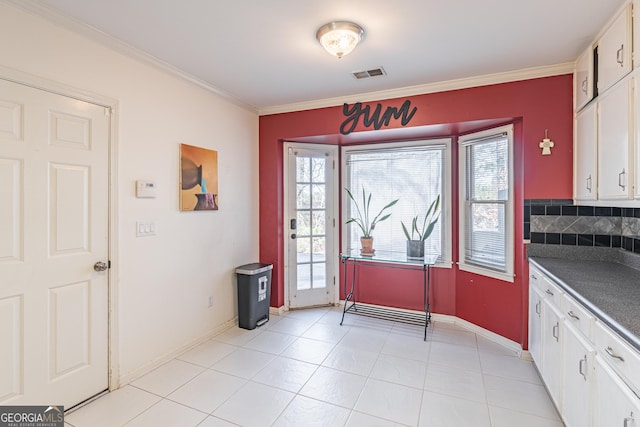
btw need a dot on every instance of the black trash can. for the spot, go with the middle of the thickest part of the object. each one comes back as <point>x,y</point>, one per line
<point>254,294</point>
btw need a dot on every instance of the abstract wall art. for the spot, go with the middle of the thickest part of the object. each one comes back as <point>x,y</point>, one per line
<point>198,179</point>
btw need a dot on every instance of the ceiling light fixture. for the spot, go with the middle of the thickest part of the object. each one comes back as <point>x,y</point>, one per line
<point>340,38</point>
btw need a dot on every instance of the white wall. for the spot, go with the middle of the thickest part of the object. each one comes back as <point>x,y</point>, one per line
<point>164,282</point>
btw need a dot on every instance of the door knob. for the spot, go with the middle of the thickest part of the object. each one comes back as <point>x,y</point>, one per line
<point>100,266</point>
<point>293,235</point>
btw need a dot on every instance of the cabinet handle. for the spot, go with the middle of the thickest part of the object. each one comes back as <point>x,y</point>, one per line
<point>573,315</point>
<point>613,354</point>
<point>589,184</point>
<point>549,292</point>
<point>538,309</point>
<point>621,179</point>
<point>556,331</point>
<point>628,420</point>
<point>620,55</point>
<point>581,367</point>
<point>584,86</point>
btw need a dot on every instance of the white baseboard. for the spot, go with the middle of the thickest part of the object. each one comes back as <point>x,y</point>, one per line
<point>277,311</point>
<point>158,361</point>
<point>525,355</point>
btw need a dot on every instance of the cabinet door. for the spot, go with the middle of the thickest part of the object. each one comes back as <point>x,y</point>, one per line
<point>535,325</point>
<point>614,51</point>
<point>585,177</point>
<point>577,373</point>
<point>614,403</point>
<point>636,120</point>
<point>613,143</point>
<point>552,351</point>
<point>583,79</point>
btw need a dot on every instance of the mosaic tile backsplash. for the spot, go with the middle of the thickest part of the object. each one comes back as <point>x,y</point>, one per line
<point>559,222</point>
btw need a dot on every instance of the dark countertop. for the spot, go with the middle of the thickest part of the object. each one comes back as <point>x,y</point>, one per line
<point>608,288</point>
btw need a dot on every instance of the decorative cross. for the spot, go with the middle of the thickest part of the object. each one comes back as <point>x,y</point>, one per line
<point>546,144</point>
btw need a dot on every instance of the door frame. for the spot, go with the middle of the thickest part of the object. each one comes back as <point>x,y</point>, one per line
<point>335,235</point>
<point>58,88</point>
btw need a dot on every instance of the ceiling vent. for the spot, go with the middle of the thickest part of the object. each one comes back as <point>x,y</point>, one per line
<point>374,72</point>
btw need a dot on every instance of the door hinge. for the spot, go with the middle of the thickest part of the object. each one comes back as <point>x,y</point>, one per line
<point>109,264</point>
<point>334,280</point>
<point>334,164</point>
<point>334,222</point>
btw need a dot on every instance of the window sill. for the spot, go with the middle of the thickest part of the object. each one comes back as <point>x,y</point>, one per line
<point>486,272</point>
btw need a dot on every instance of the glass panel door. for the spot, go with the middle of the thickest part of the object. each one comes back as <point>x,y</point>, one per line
<point>310,240</point>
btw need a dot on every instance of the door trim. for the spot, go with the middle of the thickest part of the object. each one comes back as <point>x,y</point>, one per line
<point>112,105</point>
<point>336,214</point>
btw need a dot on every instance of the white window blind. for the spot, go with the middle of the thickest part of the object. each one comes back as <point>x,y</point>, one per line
<point>486,208</point>
<point>414,175</point>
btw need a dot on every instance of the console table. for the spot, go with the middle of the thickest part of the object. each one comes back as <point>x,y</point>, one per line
<point>387,259</point>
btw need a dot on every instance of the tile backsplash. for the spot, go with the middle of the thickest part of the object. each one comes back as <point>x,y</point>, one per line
<point>560,222</point>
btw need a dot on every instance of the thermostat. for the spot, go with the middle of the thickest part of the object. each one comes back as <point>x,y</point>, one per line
<point>146,189</point>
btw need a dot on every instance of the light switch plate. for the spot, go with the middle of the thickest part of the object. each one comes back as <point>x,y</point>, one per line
<point>145,228</point>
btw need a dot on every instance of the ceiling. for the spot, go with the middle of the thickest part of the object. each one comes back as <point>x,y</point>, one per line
<point>264,54</point>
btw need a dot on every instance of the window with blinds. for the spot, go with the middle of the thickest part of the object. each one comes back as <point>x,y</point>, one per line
<point>414,173</point>
<point>486,203</point>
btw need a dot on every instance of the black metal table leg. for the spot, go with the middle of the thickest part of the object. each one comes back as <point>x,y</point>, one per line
<point>350,296</point>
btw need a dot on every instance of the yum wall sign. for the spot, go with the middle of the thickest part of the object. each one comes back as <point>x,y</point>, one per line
<point>375,118</point>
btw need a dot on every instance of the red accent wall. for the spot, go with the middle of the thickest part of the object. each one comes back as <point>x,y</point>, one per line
<point>532,105</point>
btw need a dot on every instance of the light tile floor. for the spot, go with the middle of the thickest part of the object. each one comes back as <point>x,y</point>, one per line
<point>304,369</point>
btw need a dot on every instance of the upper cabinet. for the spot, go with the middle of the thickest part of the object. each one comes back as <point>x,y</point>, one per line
<point>614,51</point>
<point>585,158</point>
<point>607,115</point>
<point>583,78</point>
<point>614,156</point>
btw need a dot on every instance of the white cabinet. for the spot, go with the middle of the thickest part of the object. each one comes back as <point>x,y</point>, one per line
<point>614,403</point>
<point>636,121</point>
<point>614,51</point>
<point>583,79</point>
<point>552,351</point>
<point>577,373</point>
<point>535,323</point>
<point>614,155</point>
<point>591,373</point>
<point>585,173</point>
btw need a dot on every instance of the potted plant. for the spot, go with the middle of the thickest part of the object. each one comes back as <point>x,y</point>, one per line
<point>415,239</point>
<point>364,220</point>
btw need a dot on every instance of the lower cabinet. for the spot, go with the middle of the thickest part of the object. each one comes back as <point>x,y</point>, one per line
<point>535,325</point>
<point>552,351</point>
<point>589,371</point>
<point>614,403</point>
<point>577,376</point>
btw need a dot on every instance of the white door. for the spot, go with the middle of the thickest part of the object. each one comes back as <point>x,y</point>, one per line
<point>311,224</point>
<point>53,229</point>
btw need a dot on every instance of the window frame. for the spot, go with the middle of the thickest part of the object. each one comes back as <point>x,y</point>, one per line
<point>446,211</point>
<point>464,206</point>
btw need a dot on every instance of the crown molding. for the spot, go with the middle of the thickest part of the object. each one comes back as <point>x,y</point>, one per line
<point>488,79</point>
<point>41,10</point>
<point>35,8</point>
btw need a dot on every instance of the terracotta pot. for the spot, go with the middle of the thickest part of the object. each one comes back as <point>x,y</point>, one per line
<point>366,244</point>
